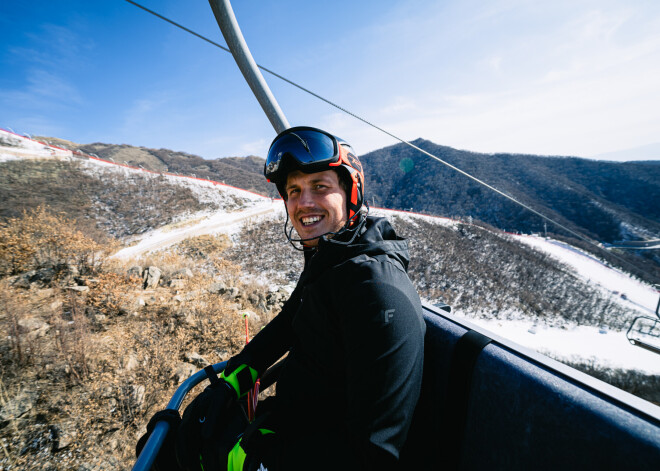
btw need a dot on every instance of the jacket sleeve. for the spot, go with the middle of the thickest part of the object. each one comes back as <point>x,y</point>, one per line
<point>270,343</point>
<point>383,338</point>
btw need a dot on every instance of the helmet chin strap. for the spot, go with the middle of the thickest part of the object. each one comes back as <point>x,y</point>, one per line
<point>345,228</point>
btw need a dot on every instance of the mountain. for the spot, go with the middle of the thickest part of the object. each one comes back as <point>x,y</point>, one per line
<point>604,200</point>
<point>242,172</point>
<point>647,152</point>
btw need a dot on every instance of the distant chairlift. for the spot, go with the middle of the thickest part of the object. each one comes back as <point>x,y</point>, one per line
<point>645,331</point>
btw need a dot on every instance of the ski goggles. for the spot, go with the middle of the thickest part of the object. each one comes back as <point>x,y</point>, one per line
<point>308,149</point>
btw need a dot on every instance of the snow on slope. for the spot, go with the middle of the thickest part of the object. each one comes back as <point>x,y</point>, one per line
<point>581,343</point>
<point>639,295</point>
<point>212,223</point>
<point>202,223</point>
<point>14,146</point>
<point>206,191</point>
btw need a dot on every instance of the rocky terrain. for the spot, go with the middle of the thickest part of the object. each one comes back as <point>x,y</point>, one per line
<point>95,346</point>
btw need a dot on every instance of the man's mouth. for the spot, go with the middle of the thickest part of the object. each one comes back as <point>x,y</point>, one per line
<point>309,220</point>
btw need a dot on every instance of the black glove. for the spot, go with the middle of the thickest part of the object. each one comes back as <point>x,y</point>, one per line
<point>209,428</point>
<point>166,458</point>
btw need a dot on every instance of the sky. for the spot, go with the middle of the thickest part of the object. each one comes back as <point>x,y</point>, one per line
<point>577,78</point>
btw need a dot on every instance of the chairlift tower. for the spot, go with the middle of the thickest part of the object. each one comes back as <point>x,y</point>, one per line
<point>226,19</point>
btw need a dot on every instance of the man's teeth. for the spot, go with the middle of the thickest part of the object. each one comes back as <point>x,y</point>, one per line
<point>310,220</point>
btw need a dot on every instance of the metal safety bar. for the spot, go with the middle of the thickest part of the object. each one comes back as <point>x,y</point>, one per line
<point>152,447</point>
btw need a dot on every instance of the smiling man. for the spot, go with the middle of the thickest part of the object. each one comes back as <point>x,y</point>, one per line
<point>352,328</point>
<point>316,204</point>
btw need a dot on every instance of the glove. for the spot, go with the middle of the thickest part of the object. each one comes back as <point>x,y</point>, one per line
<point>209,427</point>
<point>255,450</point>
<point>166,458</point>
<point>241,378</point>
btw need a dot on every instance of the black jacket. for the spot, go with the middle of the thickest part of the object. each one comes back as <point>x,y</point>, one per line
<point>354,331</point>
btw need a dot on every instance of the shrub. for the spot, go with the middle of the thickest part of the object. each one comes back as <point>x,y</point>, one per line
<point>109,293</point>
<point>40,239</point>
<point>203,246</point>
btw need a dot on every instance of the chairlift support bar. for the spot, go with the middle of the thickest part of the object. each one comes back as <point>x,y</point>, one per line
<point>157,437</point>
<point>226,19</point>
<point>640,341</point>
<point>644,345</point>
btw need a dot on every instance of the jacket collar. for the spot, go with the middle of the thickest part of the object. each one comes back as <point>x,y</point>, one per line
<point>377,237</point>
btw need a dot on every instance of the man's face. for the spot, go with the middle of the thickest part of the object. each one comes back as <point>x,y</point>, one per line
<point>316,204</point>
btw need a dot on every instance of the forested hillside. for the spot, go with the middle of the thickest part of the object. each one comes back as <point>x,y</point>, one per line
<point>604,200</point>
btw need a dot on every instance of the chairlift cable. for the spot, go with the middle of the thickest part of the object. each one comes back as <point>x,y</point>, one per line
<point>179,26</point>
<point>403,141</point>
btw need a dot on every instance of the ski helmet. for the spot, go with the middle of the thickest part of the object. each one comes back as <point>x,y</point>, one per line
<point>312,150</point>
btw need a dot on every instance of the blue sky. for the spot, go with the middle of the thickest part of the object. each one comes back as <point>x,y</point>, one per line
<point>553,78</point>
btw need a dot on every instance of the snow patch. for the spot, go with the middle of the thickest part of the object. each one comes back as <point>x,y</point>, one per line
<point>640,296</point>
<point>14,147</point>
<point>215,223</point>
<point>576,343</point>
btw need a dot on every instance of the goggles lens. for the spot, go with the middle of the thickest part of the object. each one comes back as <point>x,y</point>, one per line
<point>305,146</point>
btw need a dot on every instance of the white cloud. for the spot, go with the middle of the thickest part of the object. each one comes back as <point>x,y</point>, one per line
<point>557,78</point>
<point>257,147</point>
<point>42,91</point>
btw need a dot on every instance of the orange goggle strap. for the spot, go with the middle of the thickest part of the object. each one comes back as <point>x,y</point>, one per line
<point>351,163</point>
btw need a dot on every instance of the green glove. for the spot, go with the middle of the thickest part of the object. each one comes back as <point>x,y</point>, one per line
<point>259,450</point>
<point>241,379</point>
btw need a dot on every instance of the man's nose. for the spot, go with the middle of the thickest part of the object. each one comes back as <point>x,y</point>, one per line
<point>306,198</point>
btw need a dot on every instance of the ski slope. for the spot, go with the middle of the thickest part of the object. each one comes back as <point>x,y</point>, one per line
<point>578,343</point>
<point>584,343</point>
<point>639,295</point>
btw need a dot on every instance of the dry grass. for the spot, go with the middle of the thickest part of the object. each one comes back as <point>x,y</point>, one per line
<point>40,239</point>
<point>204,246</point>
<point>83,368</point>
<point>105,374</point>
